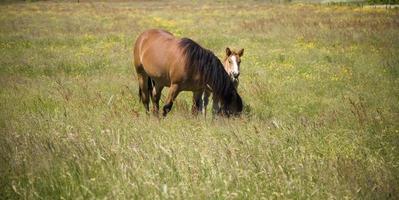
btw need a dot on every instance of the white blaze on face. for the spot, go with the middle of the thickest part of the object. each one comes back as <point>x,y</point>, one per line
<point>234,64</point>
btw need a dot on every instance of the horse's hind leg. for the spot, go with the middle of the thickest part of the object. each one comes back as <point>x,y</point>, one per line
<point>197,102</point>
<point>155,97</point>
<point>172,94</point>
<point>144,90</point>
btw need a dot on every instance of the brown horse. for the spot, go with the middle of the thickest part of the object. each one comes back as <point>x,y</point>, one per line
<point>231,64</point>
<point>161,60</point>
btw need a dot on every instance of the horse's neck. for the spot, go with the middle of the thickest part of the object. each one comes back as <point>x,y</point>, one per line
<point>218,89</point>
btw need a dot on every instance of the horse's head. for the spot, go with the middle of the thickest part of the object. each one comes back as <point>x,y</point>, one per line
<point>233,105</point>
<point>232,64</point>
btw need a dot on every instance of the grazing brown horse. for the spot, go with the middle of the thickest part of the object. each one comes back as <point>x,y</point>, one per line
<point>231,64</point>
<point>162,60</point>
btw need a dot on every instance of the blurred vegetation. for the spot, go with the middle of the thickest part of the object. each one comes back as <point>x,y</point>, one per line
<point>388,2</point>
<point>359,2</point>
<point>319,83</point>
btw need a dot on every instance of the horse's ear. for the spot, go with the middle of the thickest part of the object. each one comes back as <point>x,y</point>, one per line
<point>228,51</point>
<point>241,52</point>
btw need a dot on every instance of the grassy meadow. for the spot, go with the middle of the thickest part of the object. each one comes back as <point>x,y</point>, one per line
<point>320,85</point>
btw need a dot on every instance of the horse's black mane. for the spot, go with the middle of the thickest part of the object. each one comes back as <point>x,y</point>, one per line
<point>209,67</point>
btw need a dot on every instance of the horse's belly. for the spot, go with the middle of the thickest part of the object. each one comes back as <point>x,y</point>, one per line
<point>161,81</point>
<point>155,68</point>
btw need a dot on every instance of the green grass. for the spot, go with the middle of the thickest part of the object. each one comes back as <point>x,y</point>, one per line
<point>319,83</point>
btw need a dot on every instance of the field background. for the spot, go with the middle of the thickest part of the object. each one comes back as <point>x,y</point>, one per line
<point>319,83</point>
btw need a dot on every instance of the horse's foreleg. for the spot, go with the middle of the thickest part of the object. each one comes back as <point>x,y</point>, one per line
<point>197,102</point>
<point>207,93</point>
<point>172,94</point>
<point>216,105</point>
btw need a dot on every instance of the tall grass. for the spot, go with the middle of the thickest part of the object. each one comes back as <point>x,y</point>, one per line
<point>320,86</point>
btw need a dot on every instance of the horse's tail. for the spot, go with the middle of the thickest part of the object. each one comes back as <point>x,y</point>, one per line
<point>140,97</point>
<point>150,86</point>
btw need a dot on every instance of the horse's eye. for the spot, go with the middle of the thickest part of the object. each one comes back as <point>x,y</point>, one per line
<point>229,61</point>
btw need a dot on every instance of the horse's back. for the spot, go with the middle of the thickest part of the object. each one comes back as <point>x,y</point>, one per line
<point>146,39</point>
<point>156,53</point>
